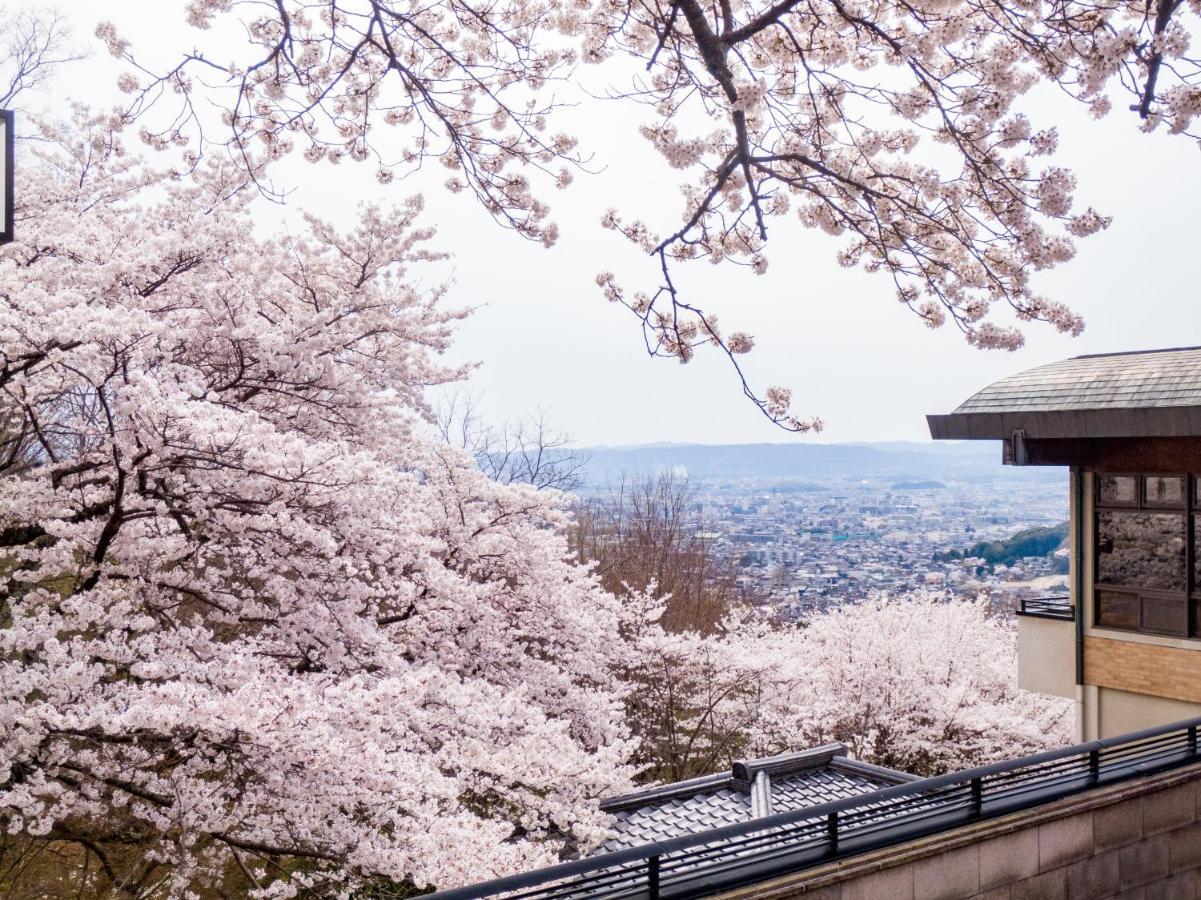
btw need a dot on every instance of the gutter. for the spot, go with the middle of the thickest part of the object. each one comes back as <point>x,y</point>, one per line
<point>1078,579</point>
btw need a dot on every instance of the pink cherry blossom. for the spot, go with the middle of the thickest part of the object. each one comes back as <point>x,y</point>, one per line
<point>254,612</point>
<point>904,131</point>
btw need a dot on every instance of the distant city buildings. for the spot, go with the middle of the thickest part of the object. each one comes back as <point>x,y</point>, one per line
<point>799,551</point>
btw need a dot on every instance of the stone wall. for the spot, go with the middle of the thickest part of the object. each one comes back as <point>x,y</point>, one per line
<point>1137,841</point>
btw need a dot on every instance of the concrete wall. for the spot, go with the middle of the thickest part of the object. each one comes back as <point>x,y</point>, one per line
<point>1120,712</point>
<point>1136,841</point>
<point>1046,656</point>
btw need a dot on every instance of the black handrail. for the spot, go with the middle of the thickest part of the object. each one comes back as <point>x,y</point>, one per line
<point>749,852</point>
<point>1048,608</point>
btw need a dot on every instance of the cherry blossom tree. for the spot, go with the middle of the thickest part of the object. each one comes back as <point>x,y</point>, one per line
<point>257,628</point>
<point>918,683</point>
<point>704,700</point>
<point>901,130</point>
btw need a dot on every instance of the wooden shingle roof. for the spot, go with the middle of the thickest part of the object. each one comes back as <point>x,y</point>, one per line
<point>1154,393</point>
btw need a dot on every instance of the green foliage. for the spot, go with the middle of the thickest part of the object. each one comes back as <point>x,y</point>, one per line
<point>1030,542</point>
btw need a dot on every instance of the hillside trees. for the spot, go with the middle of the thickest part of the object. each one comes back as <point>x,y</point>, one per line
<point>923,684</point>
<point>256,630</point>
<point>918,683</point>
<point>902,130</point>
<point>1041,541</point>
<point>644,533</point>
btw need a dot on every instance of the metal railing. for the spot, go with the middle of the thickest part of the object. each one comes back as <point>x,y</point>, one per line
<point>1048,608</point>
<point>750,852</point>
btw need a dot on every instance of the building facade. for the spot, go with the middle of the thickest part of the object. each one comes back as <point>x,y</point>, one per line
<point>1126,643</point>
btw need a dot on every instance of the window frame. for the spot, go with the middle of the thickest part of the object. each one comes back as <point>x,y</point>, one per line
<point>1147,505</point>
<point>1189,599</point>
<point>1098,503</point>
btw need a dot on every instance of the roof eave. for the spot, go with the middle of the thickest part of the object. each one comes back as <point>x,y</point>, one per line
<point>663,792</point>
<point>1142,422</point>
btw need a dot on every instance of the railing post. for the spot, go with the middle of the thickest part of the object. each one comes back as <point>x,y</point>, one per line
<point>652,877</point>
<point>1192,740</point>
<point>832,832</point>
<point>1094,765</point>
<point>977,797</point>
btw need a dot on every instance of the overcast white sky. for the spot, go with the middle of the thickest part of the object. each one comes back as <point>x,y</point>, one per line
<point>546,339</point>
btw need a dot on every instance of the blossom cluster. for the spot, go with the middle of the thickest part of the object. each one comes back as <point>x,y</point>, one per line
<point>254,614</point>
<point>322,77</point>
<point>901,129</point>
<point>921,683</point>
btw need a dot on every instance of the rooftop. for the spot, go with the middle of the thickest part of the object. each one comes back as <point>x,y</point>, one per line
<point>835,836</point>
<point>1150,393</point>
<point>752,789</point>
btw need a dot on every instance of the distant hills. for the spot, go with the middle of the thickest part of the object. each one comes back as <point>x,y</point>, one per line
<point>1023,544</point>
<point>896,461</point>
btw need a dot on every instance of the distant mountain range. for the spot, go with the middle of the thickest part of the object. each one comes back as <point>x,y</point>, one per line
<point>901,461</point>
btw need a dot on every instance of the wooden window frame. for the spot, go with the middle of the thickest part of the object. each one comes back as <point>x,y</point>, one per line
<point>1099,504</point>
<point>1190,598</point>
<point>1145,504</point>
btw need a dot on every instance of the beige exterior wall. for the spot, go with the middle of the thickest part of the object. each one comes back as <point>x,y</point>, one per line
<point>1155,668</point>
<point>1046,656</point>
<point>1120,712</point>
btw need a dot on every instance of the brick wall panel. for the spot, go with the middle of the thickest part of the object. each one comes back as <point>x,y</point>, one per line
<point>1143,668</point>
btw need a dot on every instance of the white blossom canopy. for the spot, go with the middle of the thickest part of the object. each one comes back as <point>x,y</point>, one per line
<point>898,127</point>
<point>251,614</point>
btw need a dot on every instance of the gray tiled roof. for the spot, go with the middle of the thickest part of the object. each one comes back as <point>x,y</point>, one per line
<point>660,820</point>
<point>753,789</point>
<point>1155,378</point>
<point>820,786</point>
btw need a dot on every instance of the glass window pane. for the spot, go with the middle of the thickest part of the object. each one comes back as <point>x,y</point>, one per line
<point>1165,616</point>
<point>1117,490</point>
<point>1116,610</point>
<point>1141,549</point>
<point>1164,490</point>
<point>1197,552</point>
